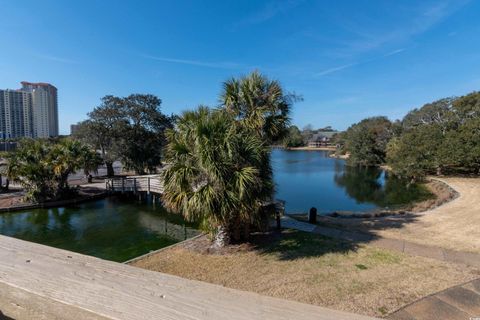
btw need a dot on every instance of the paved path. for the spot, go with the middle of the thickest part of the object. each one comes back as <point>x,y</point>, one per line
<point>415,249</point>
<point>41,282</point>
<point>457,303</point>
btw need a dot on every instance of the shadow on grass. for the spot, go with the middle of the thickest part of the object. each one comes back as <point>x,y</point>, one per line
<point>332,235</point>
<point>366,225</point>
<point>293,244</point>
<point>4,317</point>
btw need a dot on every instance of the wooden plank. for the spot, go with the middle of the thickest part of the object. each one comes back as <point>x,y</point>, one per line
<point>118,291</point>
<point>20,304</point>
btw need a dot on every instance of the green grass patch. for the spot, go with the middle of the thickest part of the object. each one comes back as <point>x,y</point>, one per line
<point>383,257</point>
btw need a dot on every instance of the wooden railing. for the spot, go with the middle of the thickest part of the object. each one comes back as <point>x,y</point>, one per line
<point>149,184</point>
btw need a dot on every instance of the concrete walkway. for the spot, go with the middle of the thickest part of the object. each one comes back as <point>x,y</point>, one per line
<point>411,248</point>
<point>457,303</point>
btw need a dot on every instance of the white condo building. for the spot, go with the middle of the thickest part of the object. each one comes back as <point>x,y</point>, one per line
<point>31,111</point>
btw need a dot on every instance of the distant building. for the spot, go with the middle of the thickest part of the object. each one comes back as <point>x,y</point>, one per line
<point>15,114</point>
<point>73,129</point>
<point>45,108</point>
<point>321,139</point>
<point>31,111</point>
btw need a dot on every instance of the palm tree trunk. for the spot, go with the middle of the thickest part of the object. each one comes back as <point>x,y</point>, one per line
<point>110,171</point>
<point>222,237</point>
<point>439,170</point>
<point>237,229</point>
<point>246,231</point>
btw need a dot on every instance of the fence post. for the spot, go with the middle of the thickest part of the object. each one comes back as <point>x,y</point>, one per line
<point>123,185</point>
<point>134,185</point>
<point>148,184</point>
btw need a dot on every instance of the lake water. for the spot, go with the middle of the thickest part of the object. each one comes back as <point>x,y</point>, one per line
<point>112,228</point>
<point>306,179</point>
<point>119,230</point>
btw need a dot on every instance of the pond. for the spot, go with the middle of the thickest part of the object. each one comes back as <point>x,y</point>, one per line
<point>119,229</point>
<point>306,179</point>
<point>113,228</point>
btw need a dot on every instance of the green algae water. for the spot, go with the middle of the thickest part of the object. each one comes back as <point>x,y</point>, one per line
<point>113,228</point>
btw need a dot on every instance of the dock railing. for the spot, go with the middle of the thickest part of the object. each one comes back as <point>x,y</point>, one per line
<point>148,184</point>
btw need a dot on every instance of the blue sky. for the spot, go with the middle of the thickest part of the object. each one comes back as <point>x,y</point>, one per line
<point>348,59</point>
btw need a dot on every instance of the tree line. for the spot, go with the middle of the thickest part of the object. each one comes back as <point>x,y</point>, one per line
<point>442,137</point>
<point>299,138</point>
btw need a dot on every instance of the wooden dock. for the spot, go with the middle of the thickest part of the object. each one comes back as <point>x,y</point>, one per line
<point>41,282</point>
<point>148,184</point>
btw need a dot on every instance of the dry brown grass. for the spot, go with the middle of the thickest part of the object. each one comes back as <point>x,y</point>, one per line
<point>454,225</point>
<point>316,270</point>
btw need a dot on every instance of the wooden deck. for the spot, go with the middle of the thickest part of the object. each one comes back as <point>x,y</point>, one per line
<point>40,282</point>
<point>148,184</point>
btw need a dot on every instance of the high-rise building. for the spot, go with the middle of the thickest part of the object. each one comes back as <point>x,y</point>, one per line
<point>15,114</point>
<point>44,107</point>
<point>31,111</point>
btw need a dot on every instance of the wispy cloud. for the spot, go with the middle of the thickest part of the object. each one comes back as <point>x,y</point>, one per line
<point>350,65</point>
<point>269,11</point>
<point>394,52</point>
<point>334,69</point>
<point>372,39</point>
<point>417,21</point>
<point>55,58</point>
<point>198,63</point>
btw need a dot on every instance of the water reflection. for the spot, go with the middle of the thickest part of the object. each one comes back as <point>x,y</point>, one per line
<point>311,178</point>
<point>373,185</point>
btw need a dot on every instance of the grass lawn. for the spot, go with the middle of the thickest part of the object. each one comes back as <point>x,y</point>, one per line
<point>313,269</point>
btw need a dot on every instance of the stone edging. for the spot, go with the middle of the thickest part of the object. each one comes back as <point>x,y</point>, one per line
<point>143,256</point>
<point>54,203</point>
<point>379,213</point>
<point>455,195</point>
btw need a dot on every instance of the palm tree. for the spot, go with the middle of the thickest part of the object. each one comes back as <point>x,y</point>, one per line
<point>68,156</point>
<point>42,167</point>
<point>90,160</point>
<point>28,166</point>
<point>260,104</point>
<point>219,173</point>
<point>65,158</point>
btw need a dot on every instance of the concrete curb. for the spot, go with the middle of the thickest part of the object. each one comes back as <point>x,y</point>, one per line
<point>146,255</point>
<point>54,203</point>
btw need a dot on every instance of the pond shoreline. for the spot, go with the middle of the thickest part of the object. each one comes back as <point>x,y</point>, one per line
<point>97,194</point>
<point>154,252</point>
<point>453,225</point>
<point>311,149</point>
<point>442,191</point>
